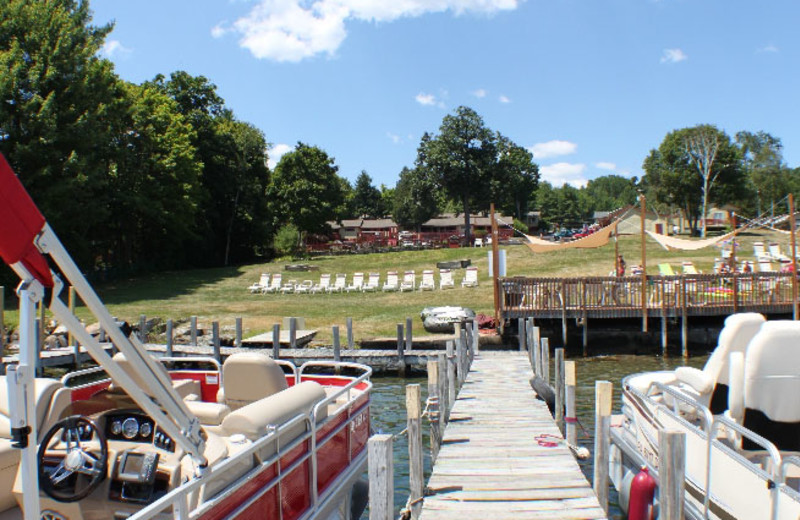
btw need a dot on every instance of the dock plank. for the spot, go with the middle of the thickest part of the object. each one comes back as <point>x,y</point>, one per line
<point>491,463</point>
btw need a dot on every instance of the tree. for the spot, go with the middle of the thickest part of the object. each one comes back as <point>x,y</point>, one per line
<point>462,159</point>
<point>305,189</point>
<point>415,198</point>
<point>762,157</point>
<point>517,177</point>
<point>609,192</point>
<point>366,198</point>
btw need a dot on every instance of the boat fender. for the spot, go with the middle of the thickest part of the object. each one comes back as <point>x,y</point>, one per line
<point>544,392</point>
<point>643,488</point>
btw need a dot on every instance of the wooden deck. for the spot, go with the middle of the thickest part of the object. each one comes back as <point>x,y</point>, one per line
<point>491,466</point>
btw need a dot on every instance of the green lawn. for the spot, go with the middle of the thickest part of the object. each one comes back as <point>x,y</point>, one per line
<point>220,294</point>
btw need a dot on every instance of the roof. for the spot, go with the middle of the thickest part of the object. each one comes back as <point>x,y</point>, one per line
<point>456,219</point>
<point>378,223</point>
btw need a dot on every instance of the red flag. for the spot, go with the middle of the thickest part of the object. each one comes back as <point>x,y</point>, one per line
<point>20,223</point>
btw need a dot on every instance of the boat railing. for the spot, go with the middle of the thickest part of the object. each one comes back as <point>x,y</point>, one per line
<point>793,460</point>
<point>705,415</point>
<point>774,476</point>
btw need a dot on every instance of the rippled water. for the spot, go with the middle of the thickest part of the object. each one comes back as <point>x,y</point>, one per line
<point>389,414</point>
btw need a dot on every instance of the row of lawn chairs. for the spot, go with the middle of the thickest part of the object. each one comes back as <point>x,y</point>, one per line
<point>771,252</point>
<point>393,282</point>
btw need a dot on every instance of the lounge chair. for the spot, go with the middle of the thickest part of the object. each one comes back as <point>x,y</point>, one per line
<point>665,270</point>
<point>409,282</point>
<point>358,283</point>
<point>323,285</point>
<point>304,287</point>
<point>446,279</point>
<point>765,265</point>
<point>289,287</point>
<point>260,285</point>
<point>759,250</point>
<point>340,284</point>
<point>373,283</point>
<point>478,242</point>
<point>275,284</point>
<point>776,254</point>
<point>392,281</point>
<point>427,283</point>
<point>689,268</point>
<point>470,277</point>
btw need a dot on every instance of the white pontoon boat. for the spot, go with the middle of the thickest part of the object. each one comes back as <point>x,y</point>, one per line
<point>253,438</point>
<point>741,417</point>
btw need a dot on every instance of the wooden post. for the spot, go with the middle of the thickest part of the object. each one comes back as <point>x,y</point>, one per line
<point>451,377</point>
<point>435,406</point>
<point>602,424</point>
<point>170,339</point>
<point>571,418</point>
<point>460,376</point>
<point>476,344</point>
<point>564,324</point>
<point>337,353</point>
<point>193,330</point>
<point>142,327</point>
<point>529,341</point>
<point>71,303</point>
<point>276,341</point>
<point>793,225</point>
<point>521,333</point>
<point>349,324</point>
<point>546,359</point>
<point>664,324</point>
<point>409,337</point>
<point>644,263</point>
<point>559,373</point>
<point>292,332</point>
<point>584,318</point>
<point>215,340</point>
<point>238,341</point>
<point>443,391</point>
<point>671,466</point>
<point>416,480</point>
<point>537,352</point>
<point>684,321</point>
<point>401,360</point>
<point>495,265</point>
<point>381,477</point>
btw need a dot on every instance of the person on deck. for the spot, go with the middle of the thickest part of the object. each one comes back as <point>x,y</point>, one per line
<point>621,266</point>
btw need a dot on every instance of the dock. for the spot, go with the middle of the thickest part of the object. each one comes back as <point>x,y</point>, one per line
<point>497,460</point>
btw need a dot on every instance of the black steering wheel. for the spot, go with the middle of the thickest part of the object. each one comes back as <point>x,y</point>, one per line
<point>68,471</point>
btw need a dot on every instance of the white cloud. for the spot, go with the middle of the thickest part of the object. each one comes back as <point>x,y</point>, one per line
<point>480,93</point>
<point>504,99</point>
<point>553,148</point>
<point>769,48</point>
<point>275,153</point>
<point>427,99</point>
<point>219,30</point>
<point>396,139</point>
<point>562,173</point>
<point>673,56</point>
<point>292,30</point>
<point>112,47</point>
<point>606,166</point>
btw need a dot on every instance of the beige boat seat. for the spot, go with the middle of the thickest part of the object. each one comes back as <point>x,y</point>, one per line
<point>709,386</point>
<point>248,377</point>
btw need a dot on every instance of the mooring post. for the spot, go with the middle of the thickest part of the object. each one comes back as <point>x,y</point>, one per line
<point>215,341</point>
<point>416,480</point>
<point>238,341</point>
<point>451,377</point>
<point>349,324</point>
<point>559,375</point>
<point>276,341</point>
<point>529,342</point>
<point>684,322</point>
<point>170,339</point>
<point>564,324</point>
<point>521,332</point>
<point>292,332</point>
<point>409,338</point>
<point>193,330</point>
<point>602,425</point>
<point>571,418</point>
<point>443,391</point>
<point>585,333</point>
<point>434,406</point>
<point>460,362</point>
<point>71,302</point>
<point>401,358</point>
<point>546,359</point>
<point>381,477</point>
<point>476,343</point>
<point>337,353</point>
<point>671,469</point>
<point>536,347</point>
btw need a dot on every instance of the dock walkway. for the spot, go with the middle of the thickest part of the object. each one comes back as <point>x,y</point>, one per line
<point>491,466</point>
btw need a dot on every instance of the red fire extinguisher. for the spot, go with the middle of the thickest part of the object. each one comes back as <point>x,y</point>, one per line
<point>643,489</point>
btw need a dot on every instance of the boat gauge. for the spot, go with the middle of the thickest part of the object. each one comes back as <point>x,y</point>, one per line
<point>116,427</point>
<point>130,427</point>
<point>145,429</point>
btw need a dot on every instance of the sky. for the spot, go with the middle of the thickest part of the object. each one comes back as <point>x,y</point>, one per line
<point>589,86</point>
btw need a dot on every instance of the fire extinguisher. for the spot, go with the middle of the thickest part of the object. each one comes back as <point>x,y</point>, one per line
<point>643,490</point>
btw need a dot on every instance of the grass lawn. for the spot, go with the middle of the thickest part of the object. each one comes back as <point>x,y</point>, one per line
<point>221,294</point>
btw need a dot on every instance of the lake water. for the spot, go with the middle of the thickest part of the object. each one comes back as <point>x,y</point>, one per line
<point>389,414</point>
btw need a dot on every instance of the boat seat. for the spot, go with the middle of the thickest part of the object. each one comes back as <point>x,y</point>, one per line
<point>709,386</point>
<point>248,377</point>
<point>209,414</point>
<point>772,384</point>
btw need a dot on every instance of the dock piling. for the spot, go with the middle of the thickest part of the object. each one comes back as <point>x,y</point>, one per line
<point>381,477</point>
<point>545,342</point>
<point>401,358</point>
<point>570,419</point>
<point>434,406</point>
<point>293,332</point>
<point>460,375</point>
<point>559,387</point>
<point>409,337</point>
<point>276,341</point>
<point>337,354</point>
<point>602,437</point>
<point>215,341</point>
<point>349,324</point>
<point>443,391</point>
<point>415,469</point>
<point>193,330</point>
<point>451,377</point>
<point>476,344</point>
<point>521,333</point>
<point>238,341</point>
<point>671,469</point>
<point>170,338</point>
<point>142,327</point>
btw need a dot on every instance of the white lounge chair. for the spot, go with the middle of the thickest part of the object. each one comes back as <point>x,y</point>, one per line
<point>373,282</point>
<point>776,254</point>
<point>358,283</point>
<point>478,242</point>
<point>470,277</point>
<point>289,287</point>
<point>446,279</point>
<point>260,285</point>
<point>392,281</point>
<point>340,284</point>
<point>765,265</point>
<point>759,250</point>
<point>323,285</point>
<point>303,287</point>
<point>409,282</point>
<point>275,284</point>
<point>427,283</point>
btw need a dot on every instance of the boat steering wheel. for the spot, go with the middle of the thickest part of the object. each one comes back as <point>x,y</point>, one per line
<point>73,475</point>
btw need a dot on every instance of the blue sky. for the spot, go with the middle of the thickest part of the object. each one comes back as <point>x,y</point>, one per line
<point>590,86</point>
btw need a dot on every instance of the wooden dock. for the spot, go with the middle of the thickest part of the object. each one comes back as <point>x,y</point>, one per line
<point>496,459</point>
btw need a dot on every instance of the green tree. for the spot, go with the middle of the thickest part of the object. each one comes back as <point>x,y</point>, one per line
<point>516,179</point>
<point>770,179</point>
<point>367,198</point>
<point>462,159</point>
<point>287,240</point>
<point>305,189</point>
<point>415,198</point>
<point>609,192</point>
